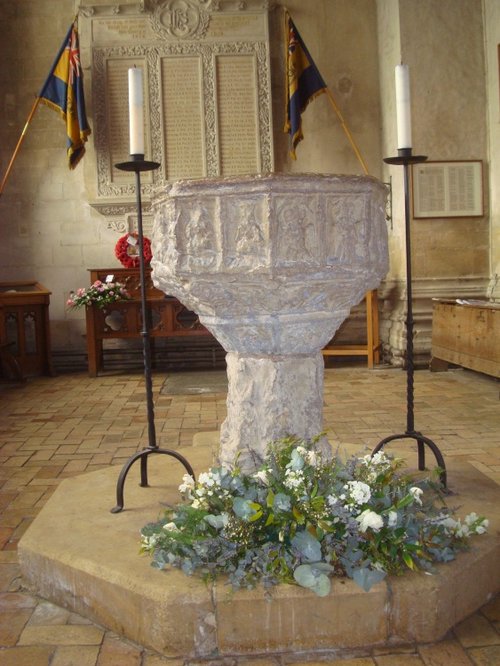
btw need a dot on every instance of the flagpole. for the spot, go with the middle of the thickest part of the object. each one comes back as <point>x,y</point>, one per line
<point>323,88</point>
<point>346,130</point>
<point>21,139</point>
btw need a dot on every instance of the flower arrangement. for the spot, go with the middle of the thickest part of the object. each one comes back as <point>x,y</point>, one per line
<point>302,519</point>
<point>127,250</point>
<point>99,294</point>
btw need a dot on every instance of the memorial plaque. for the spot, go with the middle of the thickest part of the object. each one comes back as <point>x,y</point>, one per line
<point>120,30</point>
<point>237,115</point>
<point>246,26</point>
<point>207,92</point>
<point>183,117</point>
<point>448,189</point>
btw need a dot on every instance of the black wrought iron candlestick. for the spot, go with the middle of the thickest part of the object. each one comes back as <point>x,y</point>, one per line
<point>405,158</point>
<point>137,165</point>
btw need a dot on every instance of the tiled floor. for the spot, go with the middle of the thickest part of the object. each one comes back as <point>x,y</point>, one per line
<point>53,428</point>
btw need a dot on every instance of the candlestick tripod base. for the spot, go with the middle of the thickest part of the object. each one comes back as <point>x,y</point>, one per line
<point>405,158</point>
<point>138,164</point>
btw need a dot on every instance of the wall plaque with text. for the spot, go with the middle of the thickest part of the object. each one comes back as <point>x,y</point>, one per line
<point>448,189</point>
<point>207,91</point>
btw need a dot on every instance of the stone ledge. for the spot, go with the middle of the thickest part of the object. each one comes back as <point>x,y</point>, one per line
<point>79,555</point>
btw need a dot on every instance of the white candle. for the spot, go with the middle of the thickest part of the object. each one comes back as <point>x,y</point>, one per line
<point>403,114</point>
<point>136,111</point>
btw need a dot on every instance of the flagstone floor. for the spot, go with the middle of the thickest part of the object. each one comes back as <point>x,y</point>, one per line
<point>54,428</point>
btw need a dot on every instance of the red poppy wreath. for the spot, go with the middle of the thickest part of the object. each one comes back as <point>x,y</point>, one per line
<point>127,251</point>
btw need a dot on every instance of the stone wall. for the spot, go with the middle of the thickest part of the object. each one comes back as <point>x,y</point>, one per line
<point>51,233</point>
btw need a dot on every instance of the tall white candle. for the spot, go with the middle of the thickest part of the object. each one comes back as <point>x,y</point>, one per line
<point>403,113</point>
<point>136,111</point>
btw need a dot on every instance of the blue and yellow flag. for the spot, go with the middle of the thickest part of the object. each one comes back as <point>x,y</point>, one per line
<point>63,92</point>
<point>304,83</point>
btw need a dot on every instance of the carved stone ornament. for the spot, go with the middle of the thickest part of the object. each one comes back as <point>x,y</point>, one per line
<point>272,266</point>
<point>182,19</point>
<point>118,225</point>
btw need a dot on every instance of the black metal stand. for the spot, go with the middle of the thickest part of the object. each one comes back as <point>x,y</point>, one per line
<point>406,158</point>
<point>138,164</point>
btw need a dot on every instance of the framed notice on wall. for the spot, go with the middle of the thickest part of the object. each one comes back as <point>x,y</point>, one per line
<point>448,189</point>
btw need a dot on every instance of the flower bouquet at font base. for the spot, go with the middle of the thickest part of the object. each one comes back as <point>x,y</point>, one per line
<point>302,519</point>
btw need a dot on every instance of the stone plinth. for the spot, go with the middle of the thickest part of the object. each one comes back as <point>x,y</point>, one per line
<point>272,265</point>
<point>90,565</point>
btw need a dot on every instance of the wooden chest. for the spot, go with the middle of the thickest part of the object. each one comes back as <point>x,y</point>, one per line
<point>466,333</point>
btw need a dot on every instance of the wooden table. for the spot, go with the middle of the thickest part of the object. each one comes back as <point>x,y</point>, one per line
<point>168,317</point>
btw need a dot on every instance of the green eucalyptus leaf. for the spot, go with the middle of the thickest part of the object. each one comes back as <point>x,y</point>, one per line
<point>313,578</point>
<point>304,575</point>
<point>281,502</point>
<point>308,547</point>
<point>243,508</point>
<point>217,522</point>
<point>367,578</point>
<point>296,461</point>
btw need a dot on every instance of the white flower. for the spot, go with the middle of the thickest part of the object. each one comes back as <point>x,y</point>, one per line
<point>332,500</point>
<point>449,523</point>
<point>312,458</point>
<point>483,527</point>
<point>294,478</point>
<point>171,527</point>
<point>370,519</point>
<point>380,458</point>
<point>359,492</point>
<point>187,484</point>
<point>196,504</point>
<point>261,475</point>
<point>416,493</point>
<point>471,518</point>
<point>476,524</point>
<point>462,530</point>
<point>301,450</point>
<point>206,479</point>
<point>392,518</point>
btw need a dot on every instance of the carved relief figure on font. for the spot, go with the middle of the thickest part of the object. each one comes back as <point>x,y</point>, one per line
<point>199,238</point>
<point>298,238</point>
